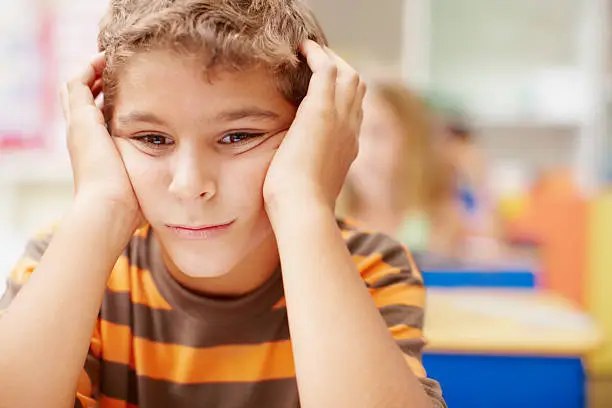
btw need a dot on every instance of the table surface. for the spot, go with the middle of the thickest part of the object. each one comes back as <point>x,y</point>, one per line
<point>507,321</point>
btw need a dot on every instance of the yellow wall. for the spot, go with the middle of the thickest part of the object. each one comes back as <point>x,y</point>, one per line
<point>599,280</point>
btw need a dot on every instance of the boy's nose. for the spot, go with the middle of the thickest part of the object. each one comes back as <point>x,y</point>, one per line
<point>191,180</point>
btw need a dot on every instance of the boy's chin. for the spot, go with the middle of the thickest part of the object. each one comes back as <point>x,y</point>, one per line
<point>203,270</point>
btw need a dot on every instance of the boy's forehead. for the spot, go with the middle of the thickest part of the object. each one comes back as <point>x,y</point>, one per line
<point>162,82</point>
<point>180,69</point>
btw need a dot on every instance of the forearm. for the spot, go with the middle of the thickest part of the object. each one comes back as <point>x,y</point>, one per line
<point>343,351</point>
<point>46,332</point>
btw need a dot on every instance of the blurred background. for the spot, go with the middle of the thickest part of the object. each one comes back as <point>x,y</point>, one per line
<point>500,180</point>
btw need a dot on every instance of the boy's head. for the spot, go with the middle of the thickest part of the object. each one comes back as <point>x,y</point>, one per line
<point>199,94</point>
<point>228,35</point>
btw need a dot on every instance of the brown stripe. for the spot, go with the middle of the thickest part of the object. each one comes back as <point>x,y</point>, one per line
<point>395,315</point>
<point>172,327</point>
<point>401,276</point>
<point>412,347</point>
<point>118,381</point>
<point>432,388</point>
<point>92,372</point>
<point>77,403</point>
<point>12,288</point>
<point>37,246</point>
<point>162,394</point>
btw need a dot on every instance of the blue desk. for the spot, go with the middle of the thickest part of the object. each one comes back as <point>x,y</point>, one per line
<point>504,381</point>
<point>479,278</point>
<point>507,348</point>
<point>455,273</point>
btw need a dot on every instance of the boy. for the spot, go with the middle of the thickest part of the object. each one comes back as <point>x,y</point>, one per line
<point>240,246</point>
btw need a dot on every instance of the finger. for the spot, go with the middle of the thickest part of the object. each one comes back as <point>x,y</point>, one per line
<point>347,83</point>
<point>94,69</point>
<point>357,109</point>
<point>79,89</point>
<point>322,85</point>
<point>96,88</point>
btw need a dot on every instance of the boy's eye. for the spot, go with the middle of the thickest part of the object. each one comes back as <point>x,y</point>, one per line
<point>155,140</point>
<point>238,138</point>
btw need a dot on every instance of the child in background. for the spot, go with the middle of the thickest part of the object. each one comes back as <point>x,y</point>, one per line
<point>242,288</point>
<point>470,169</point>
<point>401,182</point>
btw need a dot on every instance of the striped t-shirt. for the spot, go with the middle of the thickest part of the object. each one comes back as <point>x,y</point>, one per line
<point>156,344</point>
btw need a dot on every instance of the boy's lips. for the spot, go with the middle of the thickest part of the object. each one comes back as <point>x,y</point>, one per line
<point>199,231</point>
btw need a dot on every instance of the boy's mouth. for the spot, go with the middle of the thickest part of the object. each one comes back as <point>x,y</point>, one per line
<point>199,231</point>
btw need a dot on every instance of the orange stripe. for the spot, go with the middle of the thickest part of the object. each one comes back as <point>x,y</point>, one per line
<point>399,294</point>
<point>404,332</point>
<point>366,263</point>
<point>182,364</point>
<point>108,402</point>
<point>22,270</point>
<point>238,363</point>
<point>280,304</point>
<point>84,385</point>
<point>86,402</point>
<point>96,343</point>
<point>139,282</point>
<point>116,343</point>
<point>142,232</point>
<point>346,234</point>
<point>415,366</point>
<point>372,268</point>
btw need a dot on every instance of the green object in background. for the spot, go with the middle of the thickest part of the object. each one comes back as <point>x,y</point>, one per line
<point>415,232</point>
<point>444,104</point>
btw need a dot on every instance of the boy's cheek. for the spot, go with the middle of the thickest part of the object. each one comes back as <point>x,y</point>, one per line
<point>144,173</point>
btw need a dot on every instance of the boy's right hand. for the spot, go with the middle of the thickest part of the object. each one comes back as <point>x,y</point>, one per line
<point>99,174</point>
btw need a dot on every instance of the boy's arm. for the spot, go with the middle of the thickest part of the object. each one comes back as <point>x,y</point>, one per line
<point>344,353</point>
<point>46,332</point>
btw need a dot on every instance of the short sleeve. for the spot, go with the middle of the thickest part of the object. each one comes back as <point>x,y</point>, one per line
<point>18,278</point>
<point>396,285</point>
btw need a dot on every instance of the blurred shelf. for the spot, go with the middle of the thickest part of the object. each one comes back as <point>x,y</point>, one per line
<point>35,168</point>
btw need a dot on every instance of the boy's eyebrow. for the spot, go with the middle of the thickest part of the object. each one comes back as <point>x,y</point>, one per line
<point>248,112</point>
<point>138,116</point>
<point>227,116</point>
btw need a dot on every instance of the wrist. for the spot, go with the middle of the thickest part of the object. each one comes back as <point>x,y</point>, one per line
<point>294,213</point>
<point>118,220</point>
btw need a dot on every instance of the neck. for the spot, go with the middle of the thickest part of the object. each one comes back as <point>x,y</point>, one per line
<point>251,273</point>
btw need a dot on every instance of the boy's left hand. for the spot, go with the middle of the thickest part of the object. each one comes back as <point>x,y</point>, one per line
<point>312,162</point>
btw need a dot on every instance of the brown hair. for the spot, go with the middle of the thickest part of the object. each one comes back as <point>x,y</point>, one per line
<point>425,180</point>
<point>225,34</point>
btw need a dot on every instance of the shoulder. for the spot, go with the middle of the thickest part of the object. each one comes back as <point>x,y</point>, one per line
<point>377,254</point>
<point>38,243</point>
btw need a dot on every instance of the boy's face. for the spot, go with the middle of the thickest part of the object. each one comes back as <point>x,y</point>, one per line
<point>197,152</point>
